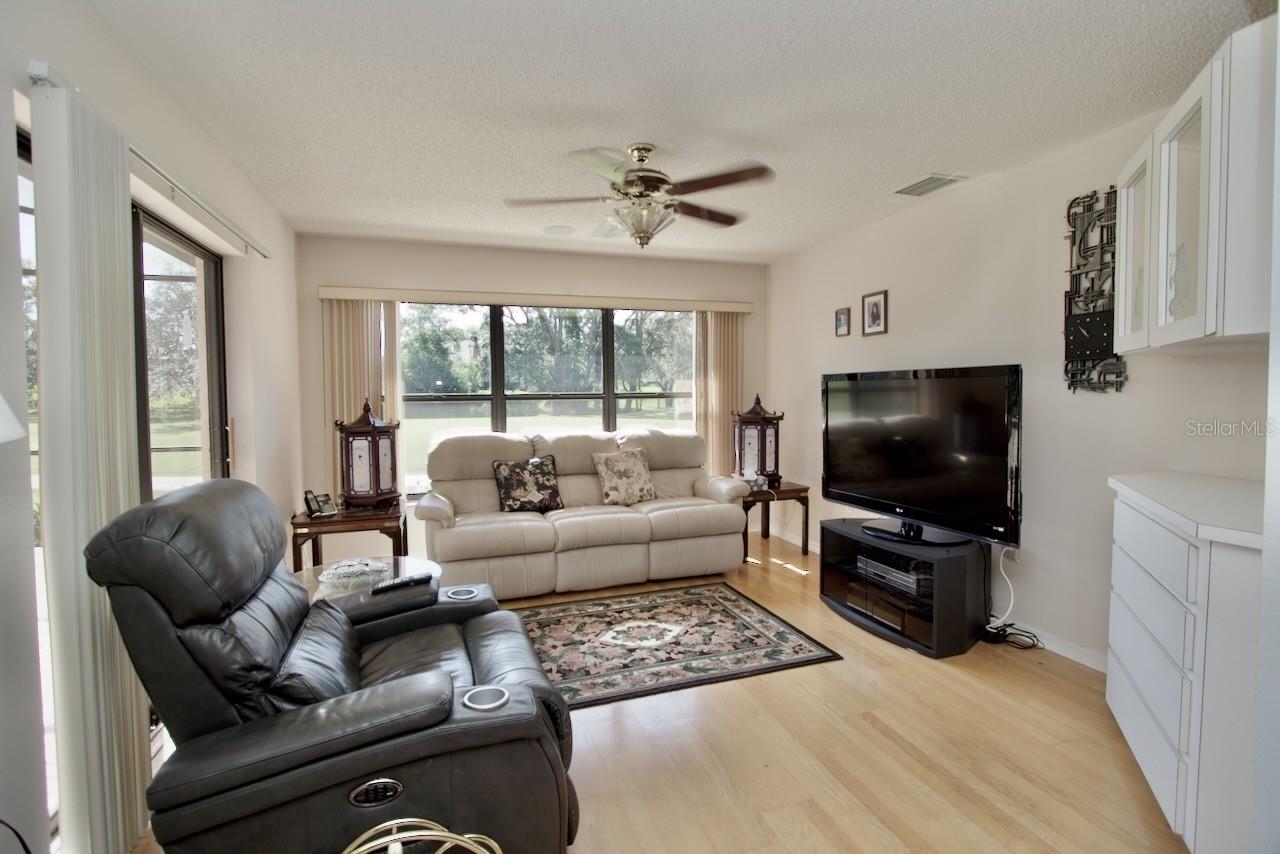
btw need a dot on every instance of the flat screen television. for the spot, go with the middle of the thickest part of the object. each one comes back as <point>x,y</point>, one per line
<point>937,450</point>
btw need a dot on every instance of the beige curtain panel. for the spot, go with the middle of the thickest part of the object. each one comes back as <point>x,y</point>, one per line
<point>718,383</point>
<point>354,367</point>
<point>89,464</point>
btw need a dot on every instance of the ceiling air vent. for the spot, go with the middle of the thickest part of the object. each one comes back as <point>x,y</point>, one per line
<point>928,184</point>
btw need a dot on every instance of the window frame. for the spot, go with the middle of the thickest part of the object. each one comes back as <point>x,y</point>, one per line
<point>498,397</point>
<point>25,165</point>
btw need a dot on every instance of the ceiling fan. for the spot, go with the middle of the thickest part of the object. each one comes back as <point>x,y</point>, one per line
<point>644,201</point>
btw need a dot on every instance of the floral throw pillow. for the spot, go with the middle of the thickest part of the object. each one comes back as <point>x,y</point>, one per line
<point>525,485</point>
<point>624,477</point>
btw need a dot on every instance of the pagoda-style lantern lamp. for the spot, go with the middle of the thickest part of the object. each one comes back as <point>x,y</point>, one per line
<point>367,454</point>
<point>756,443</point>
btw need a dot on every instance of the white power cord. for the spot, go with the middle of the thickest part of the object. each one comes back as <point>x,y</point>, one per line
<point>997,622</point>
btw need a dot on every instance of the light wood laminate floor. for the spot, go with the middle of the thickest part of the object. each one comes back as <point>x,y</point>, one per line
<point>885,751</point>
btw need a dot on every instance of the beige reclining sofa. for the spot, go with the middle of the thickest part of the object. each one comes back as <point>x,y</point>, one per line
<point>693,527</point>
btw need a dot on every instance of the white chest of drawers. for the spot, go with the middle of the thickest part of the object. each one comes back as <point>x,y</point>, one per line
<point>1183,643</point>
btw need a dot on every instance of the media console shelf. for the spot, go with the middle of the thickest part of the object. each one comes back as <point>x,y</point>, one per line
<point>928,598</point>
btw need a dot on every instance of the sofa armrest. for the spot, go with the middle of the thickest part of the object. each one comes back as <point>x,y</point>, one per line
<point>240,755</point>
<point>433,507</point>
<point>726,490</point>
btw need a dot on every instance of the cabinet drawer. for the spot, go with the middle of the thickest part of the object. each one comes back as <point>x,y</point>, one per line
<point>1173,626</point>
<point>1168,557</point>
<point>1162,684</point>
<point>1165,770</point>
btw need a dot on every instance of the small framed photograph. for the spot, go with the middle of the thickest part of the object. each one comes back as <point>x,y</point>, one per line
<point>875,313</point>
<point>843,321</point>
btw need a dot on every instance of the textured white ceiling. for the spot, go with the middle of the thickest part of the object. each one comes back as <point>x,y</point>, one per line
<point>415,119</point>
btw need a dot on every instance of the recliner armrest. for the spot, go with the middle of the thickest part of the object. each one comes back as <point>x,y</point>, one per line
<point>253,751</point>
<point>725,490</point>
<point>403,614</point>
<point>435,508</point>
<point>365,606</point>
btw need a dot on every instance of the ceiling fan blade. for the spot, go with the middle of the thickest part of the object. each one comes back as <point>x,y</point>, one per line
<point>566,200</point>
<point>608,163</point>
<point>607,229</point>
<point>755,172</point>
<point>712,216</point>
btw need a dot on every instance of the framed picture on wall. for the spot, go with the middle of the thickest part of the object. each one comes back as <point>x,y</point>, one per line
<point>843,321</point>
<point>875,313</point>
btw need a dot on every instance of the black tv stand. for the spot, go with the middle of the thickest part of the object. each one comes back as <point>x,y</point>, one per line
<point>926,597</point>
<point>911,532</point>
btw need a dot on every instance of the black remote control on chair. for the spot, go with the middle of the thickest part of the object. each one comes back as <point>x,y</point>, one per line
<point>397,583</point>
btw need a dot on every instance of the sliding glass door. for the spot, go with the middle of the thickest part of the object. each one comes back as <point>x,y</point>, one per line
<point>182,422</point>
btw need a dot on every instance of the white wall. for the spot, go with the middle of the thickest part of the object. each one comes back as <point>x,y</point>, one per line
<point>413,265</point>
<point>261,330</point>
<point>975,276</point>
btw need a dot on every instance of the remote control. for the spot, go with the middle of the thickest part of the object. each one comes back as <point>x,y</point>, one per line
<point>397,583</point>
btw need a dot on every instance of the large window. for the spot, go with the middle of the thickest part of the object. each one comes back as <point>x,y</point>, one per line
<point>181,380</point>
<point>653,368</point>
<point>536,369</point>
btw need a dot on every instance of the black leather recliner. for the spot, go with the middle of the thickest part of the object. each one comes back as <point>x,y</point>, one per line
<point>283,711</point>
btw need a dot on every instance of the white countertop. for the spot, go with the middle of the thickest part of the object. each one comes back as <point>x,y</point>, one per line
<point>1218,509</point>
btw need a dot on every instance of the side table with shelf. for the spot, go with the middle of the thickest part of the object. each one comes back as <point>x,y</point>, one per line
<point>385,520</point>
<point>786,491</point>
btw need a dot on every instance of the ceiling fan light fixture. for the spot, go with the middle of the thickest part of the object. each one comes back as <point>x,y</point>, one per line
<point>642,218</point>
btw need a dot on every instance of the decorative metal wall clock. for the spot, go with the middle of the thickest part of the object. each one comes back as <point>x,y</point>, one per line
<point>1088,305</point>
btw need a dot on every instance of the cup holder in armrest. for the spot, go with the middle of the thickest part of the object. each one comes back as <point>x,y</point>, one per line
<point>486,698</point>
<point>461,593</point>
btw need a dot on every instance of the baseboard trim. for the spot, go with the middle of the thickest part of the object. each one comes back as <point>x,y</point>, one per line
<point>788,536</point>
<point>1066,649</point>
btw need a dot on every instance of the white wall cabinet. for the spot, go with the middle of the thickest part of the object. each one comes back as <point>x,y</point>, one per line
<point>1186,571</point>
<point>1193,254</point>
<point>1133,276</point>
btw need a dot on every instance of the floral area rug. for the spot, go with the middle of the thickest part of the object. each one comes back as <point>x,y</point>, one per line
<point>619,647</point>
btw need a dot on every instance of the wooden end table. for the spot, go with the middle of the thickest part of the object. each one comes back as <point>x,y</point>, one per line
<point>786,491</point>
<point>386,520</point>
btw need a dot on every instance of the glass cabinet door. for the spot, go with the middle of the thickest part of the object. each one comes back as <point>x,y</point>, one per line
<point>1188,154</point>
<point>1133,297</point>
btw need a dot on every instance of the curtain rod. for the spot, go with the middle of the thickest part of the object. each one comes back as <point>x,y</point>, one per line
<point>41,74</point>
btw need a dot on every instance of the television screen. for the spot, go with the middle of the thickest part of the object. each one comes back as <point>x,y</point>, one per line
<point>932,447</point>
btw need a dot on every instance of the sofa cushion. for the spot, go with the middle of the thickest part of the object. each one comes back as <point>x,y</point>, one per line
<point>580,490</point>
<point>470,456</point>
<point>667,449</point>
<point>527,485</point>
<point>676,483</point>
<point>423,650</point>
<point>681,518</point>
<point>624,477</point>
<point>573,451</point>
<point>323,661</point>
<point>585,527</point>
<point>477,535</point>
<point>469,496</point>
